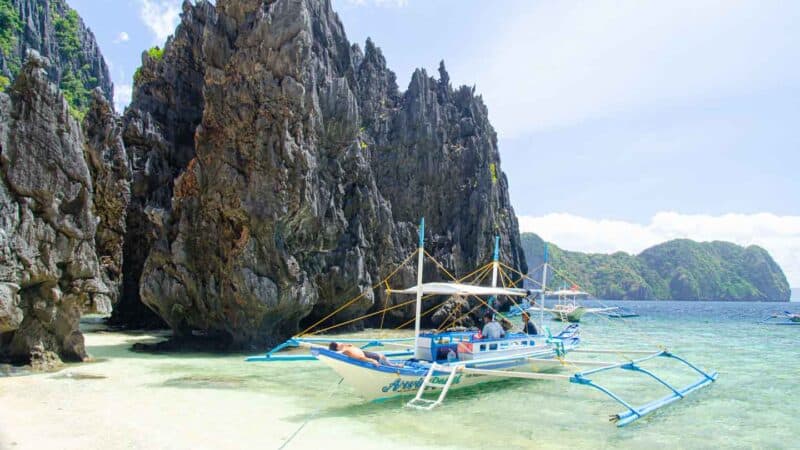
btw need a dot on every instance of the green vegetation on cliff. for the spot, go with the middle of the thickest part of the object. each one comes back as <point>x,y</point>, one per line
<point>10,25</point>
<point>10,28</point>
<point>67,25</point>
<point>156,53</point>
<point>76,84</point>
<point>676,270</point>
<point>76,64</point>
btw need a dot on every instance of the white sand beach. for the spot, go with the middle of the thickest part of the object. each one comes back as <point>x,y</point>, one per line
<point>125,402</point>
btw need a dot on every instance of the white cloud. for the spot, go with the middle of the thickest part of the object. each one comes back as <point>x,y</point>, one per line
<point>560,63</point>
<point>122,37</point>
<point>161,17</point>
<point>122,96</point>
<point>779,235</point>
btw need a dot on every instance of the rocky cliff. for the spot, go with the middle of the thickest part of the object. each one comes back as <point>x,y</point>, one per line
<point>159,135</point>
<point>56,31</point>
<point>50,271</point>
<point>676,270</point>
<point>278,171</point>
<point>266,171</point>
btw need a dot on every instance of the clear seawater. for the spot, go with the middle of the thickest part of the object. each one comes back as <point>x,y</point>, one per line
<point>754,404</point>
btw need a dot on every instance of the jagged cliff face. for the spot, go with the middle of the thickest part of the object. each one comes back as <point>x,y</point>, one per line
<point>55,31</point>
<point>49,267</point>
<point>307,174</point>
<point>160,124</point>
<point>109,168</point>
<point>434,145</point>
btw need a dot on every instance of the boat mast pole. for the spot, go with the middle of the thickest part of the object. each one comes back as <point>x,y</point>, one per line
<point>420,259</point>
<point>495,265</point>
<point>544,286</point>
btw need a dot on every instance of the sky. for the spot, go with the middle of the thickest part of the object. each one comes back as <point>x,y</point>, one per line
<point>621,124</point>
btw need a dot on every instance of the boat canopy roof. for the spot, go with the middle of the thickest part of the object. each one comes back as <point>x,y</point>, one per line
<point>463,289</point>
<point>565,292</point>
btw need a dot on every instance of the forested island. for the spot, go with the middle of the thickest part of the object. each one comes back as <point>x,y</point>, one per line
<point>680,269</point>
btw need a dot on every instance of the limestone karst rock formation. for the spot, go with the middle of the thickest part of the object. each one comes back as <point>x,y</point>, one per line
<point>49,268</point>
<point>303,172</point>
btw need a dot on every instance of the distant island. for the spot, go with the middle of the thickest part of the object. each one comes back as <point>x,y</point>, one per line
<point>680,269</point>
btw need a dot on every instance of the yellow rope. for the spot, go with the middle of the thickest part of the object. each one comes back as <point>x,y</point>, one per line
<point>502,273</point>
<point>523,275</point>
<point>388,289</point>
<point>507,278</point>
<point>453,322</point>
<point>443,269</point>
<point>643,336</point>
<point>480,269</point>
<point>385,301</point>
<point>399,305</point>
<point>428,311</point>
<point>440,266</point>
<point>361,295</point>
<point>485,268</point>
<point>453,311</point>
<point>478,279</point>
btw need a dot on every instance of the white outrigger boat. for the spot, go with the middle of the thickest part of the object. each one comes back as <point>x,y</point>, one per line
<point>438,361</point>
<point>567,308</point>
<point>785,317</point>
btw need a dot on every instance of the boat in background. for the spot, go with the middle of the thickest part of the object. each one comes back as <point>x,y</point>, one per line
<point>789,318</point>
<point>567,308</point>
<point>620,312</point>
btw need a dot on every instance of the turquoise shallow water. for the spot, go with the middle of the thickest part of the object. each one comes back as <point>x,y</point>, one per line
<point>754,403</point>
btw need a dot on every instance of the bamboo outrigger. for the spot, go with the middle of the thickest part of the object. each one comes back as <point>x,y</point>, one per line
<point>440,360</point>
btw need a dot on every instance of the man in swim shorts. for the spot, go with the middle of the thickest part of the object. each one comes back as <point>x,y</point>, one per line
<point>354,352</point>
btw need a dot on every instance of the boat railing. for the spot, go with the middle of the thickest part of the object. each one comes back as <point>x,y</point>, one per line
<point>466,345</point>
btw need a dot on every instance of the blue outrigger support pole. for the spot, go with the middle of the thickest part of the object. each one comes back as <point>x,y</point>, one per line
<point>297,341</point>
<point>271,356</point>
<point>634,413</point>
<point>495,264</point>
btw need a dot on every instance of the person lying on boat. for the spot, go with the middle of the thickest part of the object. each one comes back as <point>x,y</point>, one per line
<point>491,328</point>
<point>528,327</point>
<point>354,352</point>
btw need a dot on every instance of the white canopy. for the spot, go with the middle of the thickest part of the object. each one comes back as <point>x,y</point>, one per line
<point>566,292</point>
<point>462,289</point>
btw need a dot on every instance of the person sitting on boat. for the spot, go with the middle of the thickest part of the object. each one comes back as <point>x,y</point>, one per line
<point>354,352</point>
<point>528,327</point>
<point>491,328</point>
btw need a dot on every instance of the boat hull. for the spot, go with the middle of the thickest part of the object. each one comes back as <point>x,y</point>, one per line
<point>378,383</point>
<point>572,316</point>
